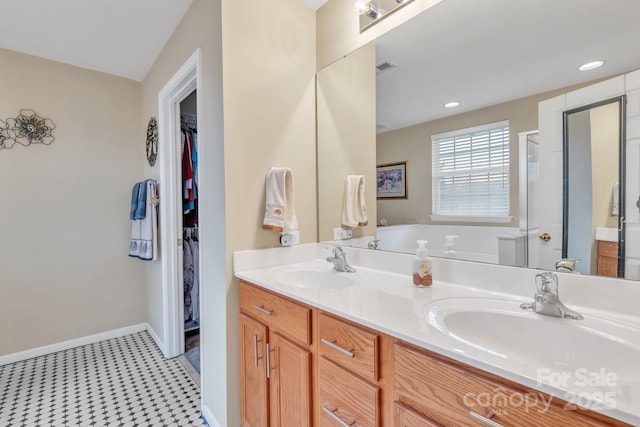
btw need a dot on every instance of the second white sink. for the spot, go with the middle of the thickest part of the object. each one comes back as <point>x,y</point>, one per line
<point>509,335</point>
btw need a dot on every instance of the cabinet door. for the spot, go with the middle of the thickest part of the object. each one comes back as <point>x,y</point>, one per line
<point>289,383</point>
<point>253,378</point>
<point>607,266</point>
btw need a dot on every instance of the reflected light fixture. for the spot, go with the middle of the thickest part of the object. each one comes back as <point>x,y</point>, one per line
<point>366,8</point>
<point>591,65</point>
<point>452,104</point>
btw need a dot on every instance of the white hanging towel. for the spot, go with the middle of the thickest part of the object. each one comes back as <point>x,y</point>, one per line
<point>354,209</point>
<point>279,213</point>
<point>615,200</point>
<point>144,232</point>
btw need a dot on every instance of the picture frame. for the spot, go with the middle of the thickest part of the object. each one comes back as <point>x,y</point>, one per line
<point>391,181</point>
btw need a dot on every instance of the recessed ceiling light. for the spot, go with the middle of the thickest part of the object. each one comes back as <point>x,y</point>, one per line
<point>591,65</point>
<point>453,104</point>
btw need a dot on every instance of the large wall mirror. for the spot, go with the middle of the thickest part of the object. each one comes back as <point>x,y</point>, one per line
<point>497,60</point>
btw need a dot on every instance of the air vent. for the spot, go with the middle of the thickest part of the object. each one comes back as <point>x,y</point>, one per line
<point>380,126</point>
<point>384,66</point>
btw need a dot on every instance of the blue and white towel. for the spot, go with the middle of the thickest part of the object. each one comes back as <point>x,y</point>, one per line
<point>138,201</point>
<point>144,231</point>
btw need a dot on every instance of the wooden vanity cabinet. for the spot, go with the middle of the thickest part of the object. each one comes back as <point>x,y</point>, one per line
<point>449,393</point>
<point>303,367</point>
<point>607,258</point>
<point>276,360</point>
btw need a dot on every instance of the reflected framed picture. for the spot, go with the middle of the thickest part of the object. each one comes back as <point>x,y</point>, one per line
<point>391,181</point>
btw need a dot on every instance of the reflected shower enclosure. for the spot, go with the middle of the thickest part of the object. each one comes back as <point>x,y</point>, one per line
<point>593,185</point>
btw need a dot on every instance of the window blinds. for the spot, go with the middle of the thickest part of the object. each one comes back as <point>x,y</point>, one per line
<point>471,171</point>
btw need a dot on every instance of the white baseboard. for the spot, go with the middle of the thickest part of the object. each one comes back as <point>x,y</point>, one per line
<point>209,418</point>
<point>156,338</point>
<point>77,342</point>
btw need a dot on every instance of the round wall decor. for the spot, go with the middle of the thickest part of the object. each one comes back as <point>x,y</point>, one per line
<point>152,141</point>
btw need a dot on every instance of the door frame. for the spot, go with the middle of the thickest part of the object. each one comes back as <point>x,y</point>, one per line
<point>523,185</point>
<point>184,81</point>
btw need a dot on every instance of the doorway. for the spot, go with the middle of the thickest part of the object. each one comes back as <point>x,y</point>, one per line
<point>179,109</point>
<point>189,200</point>
<point>529,161</point>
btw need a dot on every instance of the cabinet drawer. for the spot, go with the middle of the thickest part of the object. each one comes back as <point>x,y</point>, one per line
<point>290,318</point>
<point>350,346</point>
<point>345,399</point>
<point>607,249</point>
<point>403,416</point>
<point>448,394</point>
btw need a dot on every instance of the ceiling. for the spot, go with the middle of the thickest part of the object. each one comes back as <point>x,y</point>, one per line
<point>314,4</point>
<point>483,53</point>
<point>119,37</point>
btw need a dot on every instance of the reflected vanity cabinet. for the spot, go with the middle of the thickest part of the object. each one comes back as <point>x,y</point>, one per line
<point>607,258</point>
<point>276,351</point>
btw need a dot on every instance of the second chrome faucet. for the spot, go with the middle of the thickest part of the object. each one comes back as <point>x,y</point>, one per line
<point>547,299</point>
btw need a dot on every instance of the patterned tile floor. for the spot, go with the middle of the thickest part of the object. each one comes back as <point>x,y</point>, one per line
<point>119,382</point>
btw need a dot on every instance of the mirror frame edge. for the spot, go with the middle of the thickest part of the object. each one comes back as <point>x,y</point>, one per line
<point>622,146</point>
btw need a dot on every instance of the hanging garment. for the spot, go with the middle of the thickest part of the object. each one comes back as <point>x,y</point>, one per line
<point>187,175</point>
<point>187,278</point>
<point>195,290</point>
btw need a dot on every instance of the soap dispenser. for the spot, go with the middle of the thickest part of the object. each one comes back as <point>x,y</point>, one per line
<point>450,246</point>
<point>422,266</point>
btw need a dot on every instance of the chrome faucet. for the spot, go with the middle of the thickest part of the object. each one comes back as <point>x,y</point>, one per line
<point>567,265</point>
<point>339,261</point>
<point>547,300</point>
<point>373,244</point>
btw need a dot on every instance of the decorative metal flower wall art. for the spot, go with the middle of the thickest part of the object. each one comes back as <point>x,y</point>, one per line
<point>4,134</point>
<point>26,129</point>
<point>152,141</point>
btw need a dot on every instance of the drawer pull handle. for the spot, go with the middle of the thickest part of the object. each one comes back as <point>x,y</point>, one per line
<point>255,349</point>
<point>335,346</point>
<point>263,310</point>
<point>332,414</point>
<point>485,420</point>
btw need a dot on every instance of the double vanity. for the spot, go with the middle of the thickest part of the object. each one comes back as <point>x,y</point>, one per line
<point>367,348</point>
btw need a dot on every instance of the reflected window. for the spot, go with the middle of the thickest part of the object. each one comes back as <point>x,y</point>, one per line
<point>470,174</point>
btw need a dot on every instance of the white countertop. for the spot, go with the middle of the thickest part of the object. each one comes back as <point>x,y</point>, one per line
<point>388,302</point>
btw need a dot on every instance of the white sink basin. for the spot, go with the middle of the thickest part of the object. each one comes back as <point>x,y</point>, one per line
<point>318,275</point>
<point>508,335</point>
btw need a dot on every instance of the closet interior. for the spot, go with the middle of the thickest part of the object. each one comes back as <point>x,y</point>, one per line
<point>190,242</point>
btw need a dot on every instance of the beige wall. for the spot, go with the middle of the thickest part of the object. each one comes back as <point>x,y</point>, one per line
<point>346,95</point>
<point>200,28</point>
<point>268,52</point>
<point>338,31</point>
<point>416,141</point>
<point>605,136</point>
<point>414,144</point>
<point>605,172</point>
<point>64,222</point>
<point>269,120</point>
